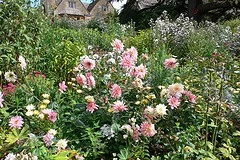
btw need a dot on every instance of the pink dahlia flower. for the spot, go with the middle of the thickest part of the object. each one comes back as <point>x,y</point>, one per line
<point>116,91</point>
<point>191,96</point>
<point>92,106</point>
<point>52,115</point>
<point>119,106</point>
<point>132,53</point>
<point>117,45</point>
<point>170,63</point>
<point>81,79</point>
<point>140,71</point>
<point>88,63</point>
<point>176,90</point>
<point>174,102</point>
<point>90,80</point>
<point>147,129</point>
<point>62,87</point>
<point>48,139</point>
<point>16,122</point>
<point>127,62</point>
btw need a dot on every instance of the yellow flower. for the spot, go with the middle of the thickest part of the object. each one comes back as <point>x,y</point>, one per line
<point>46,101</point>
<point>110,110</point>
<point>144,101</point>
<point>36,112</point>
<point>187,149</point>
<point>46,96</point>
<point>70,83</point>
<point>89,99</point>
<point>151,96</point>
<point>43,106</point>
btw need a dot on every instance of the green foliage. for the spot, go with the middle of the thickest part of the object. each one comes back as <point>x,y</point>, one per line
<point>21,26</point>
<point>233,24</point>
<point>207,129</point>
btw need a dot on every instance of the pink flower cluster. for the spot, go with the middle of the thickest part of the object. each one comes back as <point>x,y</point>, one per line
<point>38,74</point>
<point>87,80</point>
<point>175,92</point>
<point>16,122</point>
<point>10,88</point>
<point>139,71</point>
<point>52,115</point>
<point>129,58</point>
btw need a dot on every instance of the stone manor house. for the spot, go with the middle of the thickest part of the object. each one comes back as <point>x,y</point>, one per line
<point>75,9</point>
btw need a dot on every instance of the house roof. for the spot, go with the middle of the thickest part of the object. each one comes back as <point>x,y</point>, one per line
<point>94,3</point>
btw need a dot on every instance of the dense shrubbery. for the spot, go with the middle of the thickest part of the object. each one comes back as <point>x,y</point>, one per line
<point>169,92</point>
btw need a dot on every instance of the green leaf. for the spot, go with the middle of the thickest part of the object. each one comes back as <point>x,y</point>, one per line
<point>63,155</point>
<point>11,138</point>
<point>237,133</point>
<point>212,125</point>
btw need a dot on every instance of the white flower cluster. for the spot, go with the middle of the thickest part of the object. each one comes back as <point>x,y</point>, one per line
<point>21,155</point>
<point>107,131</point>
<point>164,29</point>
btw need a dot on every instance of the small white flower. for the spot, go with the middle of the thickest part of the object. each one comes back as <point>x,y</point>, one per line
<point>30,107</point>
<point>161,109</point>
<point>11,156</point>
<point>10,76</point>
<point>107,76</point>
<point>125,136</point>
<point>29,113</point>
<point>111,61</point>
<point>23,64</point>
<point>62,144</point>
<point>52,131</point>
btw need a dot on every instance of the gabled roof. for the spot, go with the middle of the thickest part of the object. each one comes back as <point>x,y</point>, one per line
<point>62,9</point>
<point>94,3</point>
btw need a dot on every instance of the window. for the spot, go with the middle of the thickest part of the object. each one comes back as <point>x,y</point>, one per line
<point>104,8</point>
<point>71,4</point>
